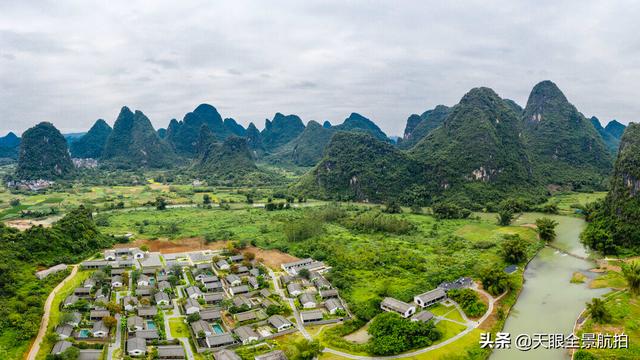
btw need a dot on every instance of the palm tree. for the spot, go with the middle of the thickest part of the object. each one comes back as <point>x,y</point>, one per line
<point>631,272</point>
<point>546,228</point>
<point>598,311</point>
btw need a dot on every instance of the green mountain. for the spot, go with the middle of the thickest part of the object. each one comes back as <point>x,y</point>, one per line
<point>9,146</point>
<point>477,143</point>
<point>183,135</point>
<point>358,123</point>
<point>133,143</point>
<point>615,225</point>
<point>43,154</point>
<point>615,128</point>
<point>357,166</point>
<point>513,106</point>
<point>92,143</point>
<point>227,160</point>
<point>235,128</point>
<point>419,126</point>
<point>254,140</point>
<point>280,130</point>
<point>611,141</point>
<point>566,149</point>
<point>162,133</point>
<point>307,148</point>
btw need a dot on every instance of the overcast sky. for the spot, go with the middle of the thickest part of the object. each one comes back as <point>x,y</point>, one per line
<point>72,62</point>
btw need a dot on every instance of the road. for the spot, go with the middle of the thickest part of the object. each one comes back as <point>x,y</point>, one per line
<point>167,328</point>
<point>299,324</point>
<point>35,347</point>
<point>472,326</point>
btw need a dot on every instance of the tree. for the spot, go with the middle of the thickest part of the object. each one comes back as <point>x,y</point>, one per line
<point>193,317</point>
<point>495,281</point>
<point>513,249</point>
<point>631,272</point>
<point>598,311</point>
<point>161,203</point>
<point>206,199</point>
<point>109,321</point>
<point>393,207</point>
<point>505,216</point>
<point>14,202</point>
<point>66,317</point>
<point>304,273</point>
<point>546,228</point>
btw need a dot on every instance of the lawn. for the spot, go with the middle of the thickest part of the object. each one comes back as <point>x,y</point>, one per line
<point>449,329</point>
<point>178,328</point>
<point>565,201</point>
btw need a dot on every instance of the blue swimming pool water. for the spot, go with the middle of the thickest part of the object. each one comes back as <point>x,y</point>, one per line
<point>218,329</point>
<point>151,325</point>
<point>84,333</point>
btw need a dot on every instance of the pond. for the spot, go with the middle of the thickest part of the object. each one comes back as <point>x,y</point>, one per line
<point>218,329</point>
<point>549,303</point>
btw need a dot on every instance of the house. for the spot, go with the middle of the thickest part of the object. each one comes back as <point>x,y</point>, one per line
<point>215,286</point>
<point>311,316</point>
<point>98,314</point>
<point>151,262</point>
<point>148,335</point>
<point>223,265</point>
<point>164,285</point>
<point>286,279</point>
<point>265,303</point>
<point>203,266</point>
<point>294,289</point>
<point>326,294</point>
<point>293,267</point>
<point>60,347</point>
<point>143,291</point>
<point>226,354</point>
<point>99,329</point>
<point>242,270</point>
<point>201,328</point>
<point>242,289</point>
<point>193,292</point>
<point>254,272</point>
<point>400,307</point>
<point>162,299</point>
<point>423,316</point>
<point>70,300</point>
<point>333,305</point>
<point>236,258</point>
<point>64,331</point>
<point>137,254</point>
<point>209,279</point>
<point>460,283</point>
<point>136,346</point>
<point>430,297</point>
<point>511,269</point>
<point>147,311</point>
<point>118,271</point>
<point>116,281</point>
<point>215,341</point>
<point>82,292</point>
<point>213,298</point>
<point>76,317</point>
<point>171,352</point>
<point>135,323</point>
<point>110,255</point>
<point>322,283</point>
<point>129,303</point>
<point>52,270</point>
<point>240,300</point>
<point>307,301</point>
<point>90,354</point>
<point>246,334</point>
<point>246,316</point>
<point>279,322</point>
<point>233,280</point>
<point>122,251</point>
<point>272,355</point>
<point>210,315</point>
<point>191,306</point>
<point>143,280</point>
<point>100,296</point>
<point>89,283</point>
<point>253,281</point>
<point>265,293</point>
<point>94,264</point>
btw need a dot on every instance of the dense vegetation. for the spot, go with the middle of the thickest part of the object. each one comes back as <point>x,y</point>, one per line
<point>22,295</point>
<point>280,130</point>
<point>306,149</point>
<point>358,123</point>
<point>393,334</point>
<point>92,143</point>
<point>610,135</point>
<point>43,154</point>
<point>9,146</point>
<point>183,135</point>
<point>419,126</point>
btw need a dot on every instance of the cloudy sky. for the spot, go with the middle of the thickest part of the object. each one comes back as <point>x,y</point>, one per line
<point>72,62</point>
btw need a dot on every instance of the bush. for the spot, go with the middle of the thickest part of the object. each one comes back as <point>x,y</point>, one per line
<point>302,229</point>
<point>375,221</point>
<point>469,302</point>
<point>393,334</point>
<point>450,211</point>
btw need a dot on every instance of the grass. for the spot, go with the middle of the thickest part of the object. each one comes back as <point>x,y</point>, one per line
<point>455,315</point>
<point>578,278</point>
<point>566,200</point>
<point>178,328</point>
<point>610,279</point>
<point>449,329</point>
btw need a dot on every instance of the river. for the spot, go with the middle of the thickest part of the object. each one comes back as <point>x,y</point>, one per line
<point>549,303</point>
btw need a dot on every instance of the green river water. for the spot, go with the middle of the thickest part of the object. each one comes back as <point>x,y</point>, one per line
<point>549,303</point>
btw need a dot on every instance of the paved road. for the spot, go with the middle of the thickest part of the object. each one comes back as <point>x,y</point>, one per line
<point>292,304</point>
<point>469,329</point>
<point>35,347</point>
<point>118,341</point>
<point>184,340</point>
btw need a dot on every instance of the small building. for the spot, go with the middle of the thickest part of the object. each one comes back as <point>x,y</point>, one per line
<point>60,347</point>
<point>147,311</point>
<point>201,328</point>
<point>213,298</point>
<point>307,301</point>
<point>82,292</point>
<point>511,269</point>
<point>129,303</point>
<point>162,285</point>
<point>191,306</point>
<point>193,292</point>
<point>242,289</point>
<point>137,254</point>
<point>223,265</point>
<point>246,316</point>
<point>143,280</point>
<point>110,255</point>
<point>162,299</point>
<point>233,280</point>
<point>99,329</point>
<point>226,354</point>
<point>397,306</point>
<point>100,296</point>
<point>98,314</point>
<point>265,293</point>
<point>294,289</point>
<point>246,334</point>
<point>460,283</point>
<point>327,294</point>
<point>322,283</point>
<point>311,316</point>
<point>94,264</point>
<point>423,316</point>
<point>171,352</point>
<point>254,272</point>
<point>215,286</point>
<point>144,291</point>
<point>216,341</point>
<point>294,267</point>
<point>236,258</point>
<point>430,297</point>
<point>279,322</point>
<point>64,331</point>
<point>136,346</point>
<point>90,354</point>
<point>52,270</point>
<point>273,355</point>
<point>209,278</point>
<point>253,281</point>
<point>135,323</point>
<point>333,305</point>
<point>240,300</point>
<point>70,300</point>
<point>76,318</point>
<point>116,281</point>
<point>210,315</point>
<point>148,335</point>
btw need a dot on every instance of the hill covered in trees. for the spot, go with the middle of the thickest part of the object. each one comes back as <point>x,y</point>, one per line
<point>134,143</point>
<point>280,130</point>
<point>9,147</point>
<point>230,159</point>
<point>92,143</point>
<point>419,126</point>
<point>615,223</point>
<point>43,154</point>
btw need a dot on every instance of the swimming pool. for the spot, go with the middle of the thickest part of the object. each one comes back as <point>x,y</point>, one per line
<point>84,333</point>
<point>151,325</point>
<point>218,329</point>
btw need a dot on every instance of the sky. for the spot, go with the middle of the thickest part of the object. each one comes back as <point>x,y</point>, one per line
<point>72,62</point>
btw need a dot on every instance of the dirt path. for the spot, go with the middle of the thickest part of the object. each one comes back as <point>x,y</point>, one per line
<point>35,346</point>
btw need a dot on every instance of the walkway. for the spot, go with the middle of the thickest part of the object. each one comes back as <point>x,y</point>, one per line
<point>35,347</point>
<point>176,314</point>
<point>296,314</point>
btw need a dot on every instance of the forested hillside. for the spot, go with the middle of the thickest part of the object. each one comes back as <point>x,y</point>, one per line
<point>92,143</point>
<point>43,154</point>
